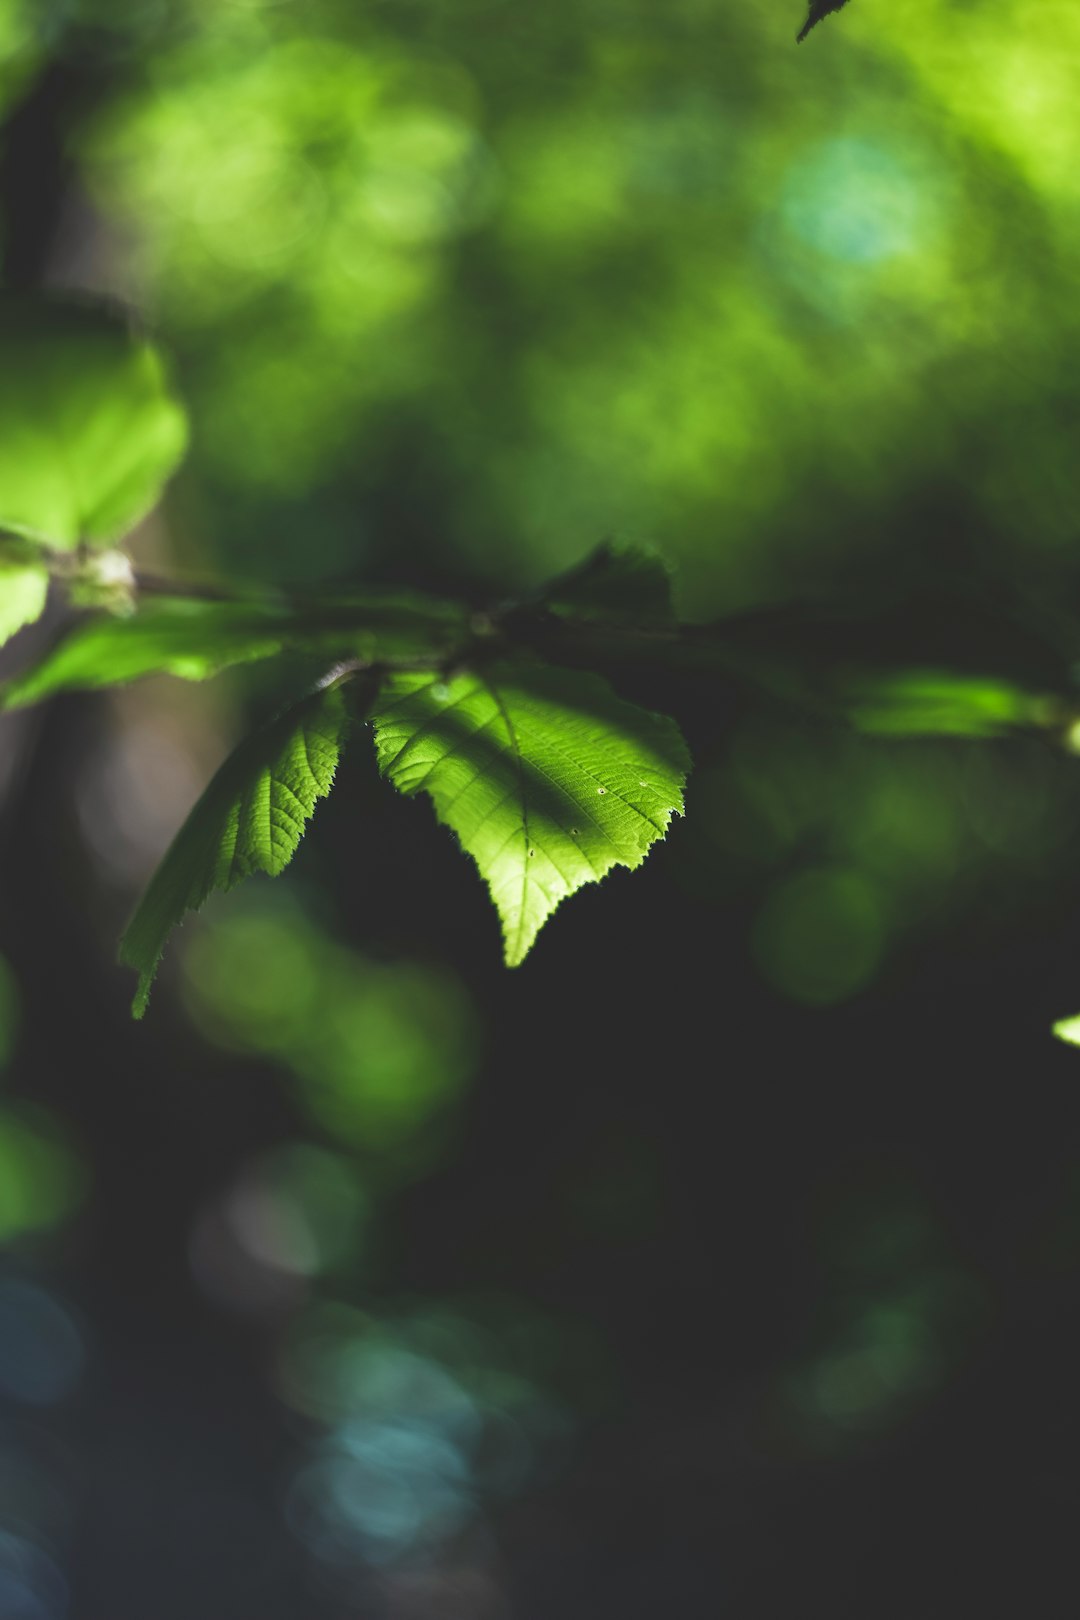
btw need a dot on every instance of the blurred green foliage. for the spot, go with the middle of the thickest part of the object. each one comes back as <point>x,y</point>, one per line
<point>455,290</point>
<point>459,291</point>
<point>76,378</point>
<point>379,1051</point>
<point>853,850</point>
<point>42,1177</point>
<point>896,1312</point>
<point>19,39</point>
<point>600,270</point>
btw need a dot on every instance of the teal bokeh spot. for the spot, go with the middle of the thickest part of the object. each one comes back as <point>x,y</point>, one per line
<point>854,200</point>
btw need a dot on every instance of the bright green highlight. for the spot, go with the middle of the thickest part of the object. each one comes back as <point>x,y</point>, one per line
<point>379,1050</point>
<point>24,587</point>
<point>548,779</point>
<point>89,431</point>
<point>619,299</point>
<point>250,819</point>
<point>330,175</point>
<point>399,1049</point>
<point>19,47</point>
<point>1068,1030</point>
<point>921,702</point>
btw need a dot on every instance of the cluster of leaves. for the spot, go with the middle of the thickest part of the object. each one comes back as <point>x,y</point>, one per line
<point>548,777</point>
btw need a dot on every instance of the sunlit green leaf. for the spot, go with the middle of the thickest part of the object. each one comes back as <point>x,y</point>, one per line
<point>250,819</point>
<point>547,777</point>
<point>89,431</point>
<point>24,587</point>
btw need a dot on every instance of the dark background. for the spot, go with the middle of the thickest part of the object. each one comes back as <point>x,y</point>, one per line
<point>722,1258</point>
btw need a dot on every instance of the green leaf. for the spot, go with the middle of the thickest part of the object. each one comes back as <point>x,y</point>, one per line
<point>930,702</point>
<point>1067,1030</point>
<point>250,819</point>
<point>615,583</point>
<point>89,431</point>
<point>547,777</point>
<point>24,586</point>
<point>195,639</point>
<point>189,639</point>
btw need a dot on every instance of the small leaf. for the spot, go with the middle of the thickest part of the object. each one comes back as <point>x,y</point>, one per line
<point>929,702</point>
<point>195,639</point>
<point>1067,1030</point>
<point>547,777</point>
<point>250,819</point>
<point>89,431</point>
<point>24,586</point>
<point>185,638</point>
<point>615,583</point>
<point>819,9</point>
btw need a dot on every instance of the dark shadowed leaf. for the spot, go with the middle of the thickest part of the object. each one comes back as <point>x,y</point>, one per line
<point>615,583</point>
<point>819,9</point>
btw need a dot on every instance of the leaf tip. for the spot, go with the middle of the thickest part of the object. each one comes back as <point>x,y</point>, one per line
<point>1067,1030</point>
<point>129,956</point>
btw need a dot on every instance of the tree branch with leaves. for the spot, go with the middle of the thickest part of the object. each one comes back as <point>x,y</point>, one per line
<point>508,719</point>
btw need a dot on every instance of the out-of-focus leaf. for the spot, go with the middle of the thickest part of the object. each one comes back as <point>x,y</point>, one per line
<point>1067,1030</point>
<point>921,702</point>
<point>250,819</point>
<point>615,583</point>
<point>24,586</point>
<point>189,639</point>
<point>89,431</point>
<point>196,639</point>
<point>547,777</point>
